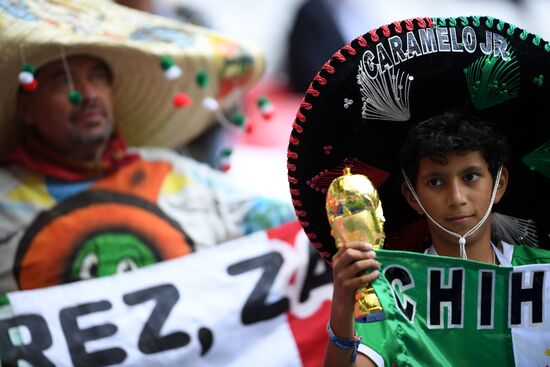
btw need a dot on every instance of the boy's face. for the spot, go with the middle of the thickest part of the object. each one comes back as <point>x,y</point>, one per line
<point>456,194</point>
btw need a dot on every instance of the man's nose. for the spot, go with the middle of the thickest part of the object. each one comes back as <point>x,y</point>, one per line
<point>86,88</point>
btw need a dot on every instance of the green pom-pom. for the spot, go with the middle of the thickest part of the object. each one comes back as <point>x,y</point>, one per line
<point>75,97</point>
<point>239,119</point>
<point>203,79</point>
<point>29,67</point>
<point>262,101</point>
<point>226,152</point>
<point>166,62</point>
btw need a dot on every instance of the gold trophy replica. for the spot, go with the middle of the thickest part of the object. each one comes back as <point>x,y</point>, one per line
<point>355,215</point>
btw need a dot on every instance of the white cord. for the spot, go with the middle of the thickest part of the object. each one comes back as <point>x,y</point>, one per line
<point>67,69</point>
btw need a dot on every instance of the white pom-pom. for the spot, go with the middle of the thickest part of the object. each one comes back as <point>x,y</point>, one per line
<point>210,103</point>
<point>25,77</point>
<point>173,72</point>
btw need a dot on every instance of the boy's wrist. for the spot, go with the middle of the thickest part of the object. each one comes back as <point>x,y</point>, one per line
<point>344,343</point>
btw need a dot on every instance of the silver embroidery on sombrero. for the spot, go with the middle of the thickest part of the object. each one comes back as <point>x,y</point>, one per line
<point>512,230</point>
<point>492,80</point>
<point>386,97</point>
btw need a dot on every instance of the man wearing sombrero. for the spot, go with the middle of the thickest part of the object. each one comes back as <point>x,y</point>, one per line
<point>79,80</point>
<point>429,110</point>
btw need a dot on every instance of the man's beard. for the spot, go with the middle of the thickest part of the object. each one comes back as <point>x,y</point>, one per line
<point>87,139</point>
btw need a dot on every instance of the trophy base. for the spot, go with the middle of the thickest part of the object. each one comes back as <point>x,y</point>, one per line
<point>371,317</point>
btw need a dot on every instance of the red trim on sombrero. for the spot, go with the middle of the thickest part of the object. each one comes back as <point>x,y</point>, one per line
<point>318,182</point>
<point>328,68</point>
<point>312,91</point>
<point>338,56</point>
<point>322,181</point>
<point>349,48</point>
<point>305,105</point>
<point>362,42</point>
<point>37,157</point>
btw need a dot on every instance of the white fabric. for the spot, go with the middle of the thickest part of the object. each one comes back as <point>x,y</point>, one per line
<point>504,256</point>
<point>371,353</point>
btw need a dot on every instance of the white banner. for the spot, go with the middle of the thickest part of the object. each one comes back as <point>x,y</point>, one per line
<point>260,299</point>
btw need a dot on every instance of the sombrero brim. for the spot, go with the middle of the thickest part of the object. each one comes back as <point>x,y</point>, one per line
<point>132,43</point>
<point>342,120</point>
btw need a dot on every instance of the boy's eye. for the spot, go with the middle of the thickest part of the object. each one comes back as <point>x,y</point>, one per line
<point>434,182</point>
<point>470,176</point>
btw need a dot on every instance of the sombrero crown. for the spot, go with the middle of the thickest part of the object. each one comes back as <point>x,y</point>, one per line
<point>360,106</point>
<point>134,44</point>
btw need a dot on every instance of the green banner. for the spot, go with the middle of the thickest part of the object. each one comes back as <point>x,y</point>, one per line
<point>442,311</point>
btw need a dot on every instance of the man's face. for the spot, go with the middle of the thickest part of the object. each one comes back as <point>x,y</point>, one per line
<point>456,194</point>
<point>71,129</point>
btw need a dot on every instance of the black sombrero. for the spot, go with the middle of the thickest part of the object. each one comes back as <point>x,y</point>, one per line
<point>362,103</point>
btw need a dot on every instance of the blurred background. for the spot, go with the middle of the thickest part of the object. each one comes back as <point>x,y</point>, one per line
<point>297,37</point>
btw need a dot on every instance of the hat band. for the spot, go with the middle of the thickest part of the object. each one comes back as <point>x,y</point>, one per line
<point>461,239</point>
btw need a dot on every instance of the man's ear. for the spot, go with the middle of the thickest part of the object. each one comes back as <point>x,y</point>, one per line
<point>24,109</point>
<point>407,194</point>
<point>502,184</point>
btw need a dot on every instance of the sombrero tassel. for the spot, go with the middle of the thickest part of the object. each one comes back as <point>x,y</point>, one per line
<point>181,100</point>
<point>224,163</point>
<point>26,78</point>
<point>171,70</point>
<point>211,104</point>
<point>239,120</point>
<point>202,78</point>
<point>75,97</point>
<point>237,123</point>
<point>266,108</point>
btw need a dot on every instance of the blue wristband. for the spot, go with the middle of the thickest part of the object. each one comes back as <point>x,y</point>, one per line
<point>344,343</point>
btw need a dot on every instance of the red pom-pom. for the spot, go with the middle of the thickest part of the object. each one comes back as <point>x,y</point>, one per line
<point>30,87</point>
<point>249,127</point>
<point>181,100</point>
<point>224,167</point>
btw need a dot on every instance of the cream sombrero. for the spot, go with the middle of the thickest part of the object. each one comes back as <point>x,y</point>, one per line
<point>133,44</point>
<point>360,106</point>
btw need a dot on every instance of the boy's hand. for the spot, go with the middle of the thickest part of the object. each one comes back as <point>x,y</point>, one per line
<point>348,268</point>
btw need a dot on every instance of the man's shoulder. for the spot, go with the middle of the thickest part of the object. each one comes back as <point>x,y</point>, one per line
<point>12,175</point>
<point>164,154</point>
<point>524,255</point>
<point>179,162</point>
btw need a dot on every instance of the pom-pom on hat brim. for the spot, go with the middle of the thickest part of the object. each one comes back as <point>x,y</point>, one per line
<point>360,106</point>
<point>132,43</point>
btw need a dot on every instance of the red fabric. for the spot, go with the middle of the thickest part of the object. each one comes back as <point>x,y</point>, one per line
<point>37,157</point>
<point>311,336</point>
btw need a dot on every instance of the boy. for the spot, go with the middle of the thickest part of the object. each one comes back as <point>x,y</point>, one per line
<point>377,97</point>
<point>454,162</point>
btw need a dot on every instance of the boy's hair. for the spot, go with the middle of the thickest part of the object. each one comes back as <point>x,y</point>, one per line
<point>449,133</point>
